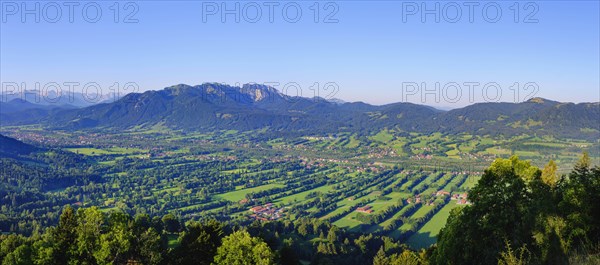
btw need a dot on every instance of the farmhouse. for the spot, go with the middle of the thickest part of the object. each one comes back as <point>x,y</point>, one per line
<point>463,202</point>
<point>461,198</point>
<point>458,196</point>
<point>442,193</point>
<point>365,209</point>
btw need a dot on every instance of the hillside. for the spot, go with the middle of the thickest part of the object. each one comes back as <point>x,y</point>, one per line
<point>10,147</point>
<point>543,116</point>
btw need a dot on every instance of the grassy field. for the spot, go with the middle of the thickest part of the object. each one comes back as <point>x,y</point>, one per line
<point>302,195</point>
<point>240,194</point>
<point>348,221</point>
<point>353,143</point>
<point>426,236</point>
<point>107,151</point>
<point>383,136</point>
<point>422,211</point>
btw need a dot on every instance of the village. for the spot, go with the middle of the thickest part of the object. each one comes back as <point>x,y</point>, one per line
<point>460,198</point>
<point>266,212</point>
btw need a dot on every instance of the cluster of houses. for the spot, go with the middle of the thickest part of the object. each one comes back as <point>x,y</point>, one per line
<point>422,156</point>
<point>213,157</point>
<point>381,153</point>
<point>460,198</point>
<point>372,169</point>
<point>365,209</point>
<point>47,140</point>
<point>310,163</point>
<point>317,138</point>
<point>266,212</point>
<point>484,157</point>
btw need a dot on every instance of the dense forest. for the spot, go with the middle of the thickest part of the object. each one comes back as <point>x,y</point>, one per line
<point>520,214</point>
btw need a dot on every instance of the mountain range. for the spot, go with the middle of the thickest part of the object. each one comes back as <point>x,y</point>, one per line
<point>213,106</point>
<point>58,98</point>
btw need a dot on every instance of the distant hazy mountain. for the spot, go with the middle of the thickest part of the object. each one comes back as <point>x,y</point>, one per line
<point>18,105</point>
<point>216,106</point>
<point>52,98</point>
<point>19,111</point>
<point>337,101</point>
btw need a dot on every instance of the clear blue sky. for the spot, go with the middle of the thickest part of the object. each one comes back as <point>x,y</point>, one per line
<point>369,53</point>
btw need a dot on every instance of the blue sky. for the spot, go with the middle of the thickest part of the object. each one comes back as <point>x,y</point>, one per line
<point>370,53</point>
